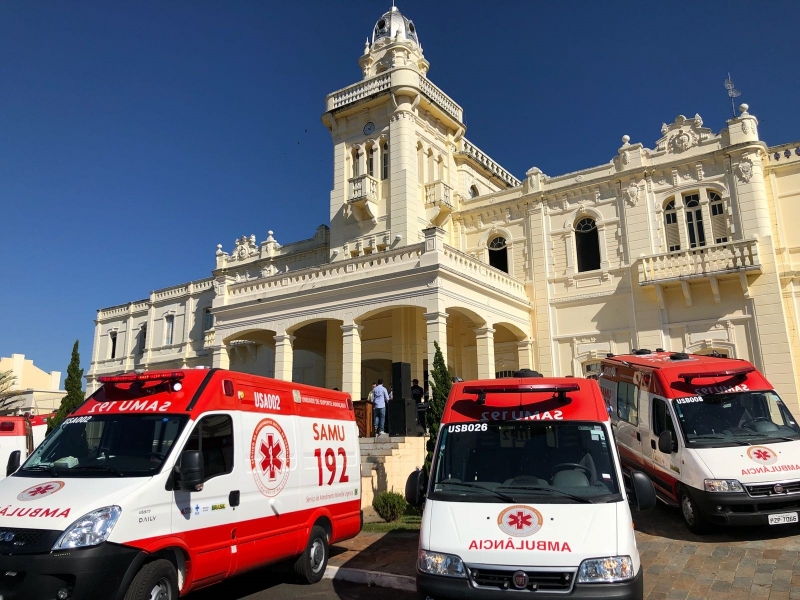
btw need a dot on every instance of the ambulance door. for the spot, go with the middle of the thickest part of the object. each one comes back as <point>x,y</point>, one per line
<point>664,468</point>
<point>205,519</point>
<point>628,436</point>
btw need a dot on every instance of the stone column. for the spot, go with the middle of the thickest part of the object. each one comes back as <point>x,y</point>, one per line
<point>405,207</point>
<point>220,359</point>
<point>485,339</point>
<point>333,355</point>
<point>437,332</point>
<point>351,360</point>
<point>283,357</point>
<point>524,354</point>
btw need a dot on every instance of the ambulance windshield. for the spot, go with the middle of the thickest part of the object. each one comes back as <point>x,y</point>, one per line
<point>106,446</point>
<point>563,462</point>
<point>737,418</point>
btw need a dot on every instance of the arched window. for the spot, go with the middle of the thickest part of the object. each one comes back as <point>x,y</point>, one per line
<point>112,344</point>
<point>694,221</point>
<point>385,161</point>
<point>587,245</point>
<point>719,222</point>
<point>498,254</point>
<point>143,338</point>
<point>671,227</point>
<point>354,158</point>
<point>371,161</point>
<point>473,191</point>
<point>169,329</point>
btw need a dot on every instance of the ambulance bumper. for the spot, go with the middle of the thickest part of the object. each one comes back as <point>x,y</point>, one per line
<point>740,508</point>
<point>87,574</point>
<point>440,588</point>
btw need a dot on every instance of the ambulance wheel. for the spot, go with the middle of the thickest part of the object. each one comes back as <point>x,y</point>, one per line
<point>310,567</point>
<point>156,580</point>
<point>691,513</point>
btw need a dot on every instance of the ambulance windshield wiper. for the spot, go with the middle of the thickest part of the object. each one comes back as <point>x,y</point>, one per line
<point>539,488</point>
<point>108,468</point>
<point>40,467</point>
<point>505,497</point>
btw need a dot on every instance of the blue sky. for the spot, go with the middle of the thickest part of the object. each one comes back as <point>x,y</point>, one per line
<point>136,136</point>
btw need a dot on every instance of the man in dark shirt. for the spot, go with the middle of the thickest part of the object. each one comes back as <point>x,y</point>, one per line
<point>416,391</point>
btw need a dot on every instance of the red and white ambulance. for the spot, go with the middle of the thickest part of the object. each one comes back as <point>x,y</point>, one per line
<point>526,494</point>
<point>167,481</point>
<point>710,432</point>
<point>16,436</point>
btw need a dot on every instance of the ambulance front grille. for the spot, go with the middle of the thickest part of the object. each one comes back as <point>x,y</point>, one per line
<point>26,541</point>
<point>538,581</point>
<point>765,490</point>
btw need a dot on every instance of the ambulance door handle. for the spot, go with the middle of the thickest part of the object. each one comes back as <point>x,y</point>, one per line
<point>638,437</point>
<point>653,444</point>
<point>233,498</point>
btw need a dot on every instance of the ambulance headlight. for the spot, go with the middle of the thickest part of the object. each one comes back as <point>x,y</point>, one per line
<point>606,570</point>
<point>90,530</point>
<point>437,563</point>
<point>723,485</point>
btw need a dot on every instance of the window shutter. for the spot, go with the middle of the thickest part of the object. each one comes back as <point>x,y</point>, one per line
<point>719,223</point>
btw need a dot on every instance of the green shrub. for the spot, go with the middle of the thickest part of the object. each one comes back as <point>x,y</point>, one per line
<point>389,506</point>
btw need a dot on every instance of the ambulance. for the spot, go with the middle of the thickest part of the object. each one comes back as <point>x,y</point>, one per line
<point>526,495</point>
<point>16,441</point>
<point>710,432</point>
<point>164,482</point>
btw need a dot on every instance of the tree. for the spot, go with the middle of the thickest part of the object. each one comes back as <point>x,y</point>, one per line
<point>74,386</point>
<point>440,381</point>
<point>7,380</point>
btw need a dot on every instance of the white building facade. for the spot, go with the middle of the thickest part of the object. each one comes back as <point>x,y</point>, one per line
<point>686,246</point>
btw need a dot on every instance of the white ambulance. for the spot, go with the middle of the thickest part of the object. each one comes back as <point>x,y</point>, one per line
<point>164,482</point>
<point>710,432</point>
<point>526,495</point>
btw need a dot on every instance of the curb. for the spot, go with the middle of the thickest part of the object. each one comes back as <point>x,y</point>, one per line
<point>376,578</point>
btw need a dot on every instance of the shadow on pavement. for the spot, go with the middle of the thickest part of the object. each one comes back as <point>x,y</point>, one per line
<point>394,552</point>
<point>667,522</point>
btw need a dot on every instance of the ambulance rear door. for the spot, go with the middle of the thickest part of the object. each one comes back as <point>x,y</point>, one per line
<point>629,439</point>
<point>205,519</point>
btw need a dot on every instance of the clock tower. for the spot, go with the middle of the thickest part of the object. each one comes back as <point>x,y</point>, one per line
<point>395,135</point>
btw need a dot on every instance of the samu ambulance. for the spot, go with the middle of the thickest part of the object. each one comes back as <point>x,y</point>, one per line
<point>526,496</point>
<point>164,482</point>
<point>710,432</point>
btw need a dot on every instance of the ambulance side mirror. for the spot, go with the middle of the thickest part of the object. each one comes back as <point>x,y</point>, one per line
<point>189,472</point>
<point>13,462</point>
<point>415,488</point>
<point>666,444</point>
<point>643,494</point>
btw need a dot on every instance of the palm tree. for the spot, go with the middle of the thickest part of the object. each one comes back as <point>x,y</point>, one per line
<point>7,381</point>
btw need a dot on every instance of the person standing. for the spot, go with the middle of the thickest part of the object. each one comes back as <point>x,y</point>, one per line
<point>379,399</point>
<point>416,391</point>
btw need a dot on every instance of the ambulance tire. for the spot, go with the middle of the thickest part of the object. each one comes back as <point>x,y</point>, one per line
<point>311,564</point>
<point>156,579</point>
<point>691,514</point>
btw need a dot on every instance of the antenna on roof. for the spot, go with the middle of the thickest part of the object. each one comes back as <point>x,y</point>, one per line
<point>732,92</point>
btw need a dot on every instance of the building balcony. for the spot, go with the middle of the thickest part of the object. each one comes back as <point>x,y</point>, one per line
<point>208,339</point>
<point>438,202</point>
<point>715,261</point>
<point>363,197</point>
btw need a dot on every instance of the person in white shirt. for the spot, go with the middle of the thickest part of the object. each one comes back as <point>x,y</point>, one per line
<point>379,399</point>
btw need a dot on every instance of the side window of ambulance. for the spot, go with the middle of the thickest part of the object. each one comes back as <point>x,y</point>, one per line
<point>662,420</point>
<point>213,437</point>
<point>628,402</point>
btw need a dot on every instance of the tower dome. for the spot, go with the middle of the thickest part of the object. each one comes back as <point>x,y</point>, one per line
<point>393,23</point>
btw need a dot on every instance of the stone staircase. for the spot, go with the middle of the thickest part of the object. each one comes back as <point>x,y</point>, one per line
<point>386,463</point>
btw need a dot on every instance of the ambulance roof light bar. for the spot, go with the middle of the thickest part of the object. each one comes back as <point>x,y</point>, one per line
<point>559,388</point>
<point>687,377</point>
<point>134,377</point>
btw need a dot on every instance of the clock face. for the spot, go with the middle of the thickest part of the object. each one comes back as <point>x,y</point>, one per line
<point>369,128</point>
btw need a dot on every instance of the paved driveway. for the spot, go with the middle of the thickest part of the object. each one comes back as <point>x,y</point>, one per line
<point>731,563</point>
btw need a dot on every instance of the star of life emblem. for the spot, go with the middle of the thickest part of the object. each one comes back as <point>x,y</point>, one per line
<point>40,490</point>
<point>520,520</point>
<point>762,455</point>
<point>269,457</point>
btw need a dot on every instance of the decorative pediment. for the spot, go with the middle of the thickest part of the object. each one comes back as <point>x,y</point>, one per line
<point>245,248</point>
<point>682,134</point>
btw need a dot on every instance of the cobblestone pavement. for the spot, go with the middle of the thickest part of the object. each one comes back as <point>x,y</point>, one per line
<point>731,563</point>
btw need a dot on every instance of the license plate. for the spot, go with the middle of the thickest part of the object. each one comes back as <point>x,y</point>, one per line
<point>783,518</point>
